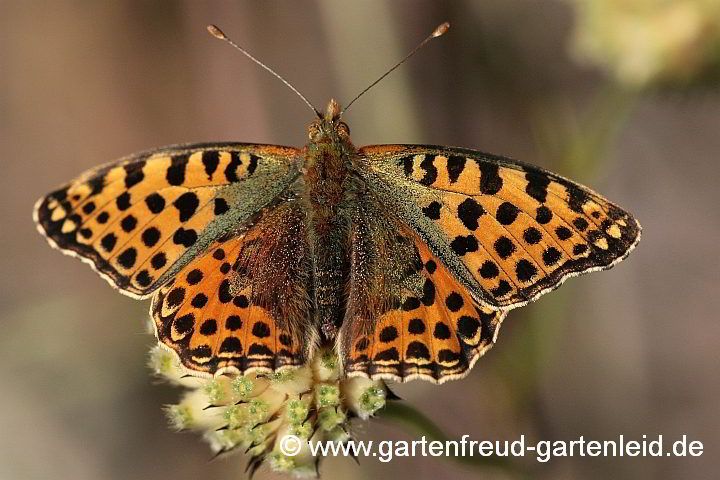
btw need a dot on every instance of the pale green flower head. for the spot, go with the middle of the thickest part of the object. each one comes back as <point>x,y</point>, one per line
<point>253,413</point>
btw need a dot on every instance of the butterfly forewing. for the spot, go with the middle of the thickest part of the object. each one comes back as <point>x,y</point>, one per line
<point>508,231</point>
<point>139,220</point>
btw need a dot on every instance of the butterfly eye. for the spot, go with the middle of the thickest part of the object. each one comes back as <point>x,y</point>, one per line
<point>343,130</point>
<point>314,132</point>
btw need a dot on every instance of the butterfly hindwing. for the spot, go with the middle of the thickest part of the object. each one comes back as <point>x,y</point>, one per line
<point>139,220</point>
<point>508,231</point>
<point>243,305</point>
<point>430,326</point>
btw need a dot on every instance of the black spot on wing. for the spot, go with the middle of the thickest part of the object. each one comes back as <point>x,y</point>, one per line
<point>194,276</point>
<point>233,322</point>
<point>209,327</point>
<point>134,173</point>
<point>231,169</point>
<point>464,244</point>
<point>580,223</point>
<point>537,185</point>
<point>233,345</point>
<point>454,302</point>
<point>428,297</point>
<point>199,300</point>
<point>432,211</point>
<point>391,354</point>
<point>441,331</point>
<point>175,174</point>
<point>469,211</point>
<point>127,258</point>
<point>506,213</point>
<point>253,164</point>
<point>128,223</point>
<point>96,185</point>
<point>455,166</point>
<point>210,159</point>
<point>551,256</point>
<point>411,303</point>
<point>241,301</point>
<point>430,266</point>
<point>155,203</point>
<point>108,242</point>
<point>490,180</point>
<point>489,269</point>
<point>184,237</point>
<point>123,201</point>
<point>221,206</point>
<point>502,289</point>
<point>532,235</point>
<point>224,292</point>
<point>261,330</point>
<point>417,349</point>
<point>407,163</point>
<point>186,205</point>
<point>184,324</point>
<point>504,247</point>
<point>468,326</point>
<point>430,170</point>
<point>576,198</point>
<point>543,215</point>
<point>388,334</point>
<point>563,232</point>
<point>143,278</point>
<point>416,326</point>
<point>158,260</point>
<point>525,270</point>
<point>150,236</point>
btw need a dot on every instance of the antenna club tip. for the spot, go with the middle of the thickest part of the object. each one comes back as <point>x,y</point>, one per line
<point>441,29</point>
<point>216,32</point>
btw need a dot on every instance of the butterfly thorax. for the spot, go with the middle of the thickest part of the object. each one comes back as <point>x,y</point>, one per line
<point>329,190</point>
<point>327,163</point>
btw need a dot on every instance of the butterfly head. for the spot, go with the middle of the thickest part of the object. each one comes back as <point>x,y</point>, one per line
<point>329,128</point>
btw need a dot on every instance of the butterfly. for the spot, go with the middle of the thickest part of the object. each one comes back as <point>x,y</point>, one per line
<point>403,259</point>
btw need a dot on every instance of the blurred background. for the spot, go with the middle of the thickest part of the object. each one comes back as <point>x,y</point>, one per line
<point>620,95</point>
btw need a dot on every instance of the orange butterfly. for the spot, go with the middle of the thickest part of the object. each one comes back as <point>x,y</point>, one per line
<point>404,258</point>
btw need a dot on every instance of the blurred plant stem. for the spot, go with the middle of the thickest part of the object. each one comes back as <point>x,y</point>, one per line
<point>576,144</point>
<point>411,419</point>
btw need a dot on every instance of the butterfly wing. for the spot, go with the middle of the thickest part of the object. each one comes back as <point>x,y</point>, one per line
<point>507,231</point>
<point>414,319</point>
<point>243,305</point>
<point>138,221</point>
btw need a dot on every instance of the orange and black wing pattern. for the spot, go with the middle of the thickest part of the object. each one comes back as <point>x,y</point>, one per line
<point>139,220</point>
<point>507,231</point>
<point>429,328</point>
<point>242,306</point>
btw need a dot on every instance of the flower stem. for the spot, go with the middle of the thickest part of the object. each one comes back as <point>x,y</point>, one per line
<point>412,419</point>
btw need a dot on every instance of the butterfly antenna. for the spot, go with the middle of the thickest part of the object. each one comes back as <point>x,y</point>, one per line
<point>217,33</point>
<point>441,29</point>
